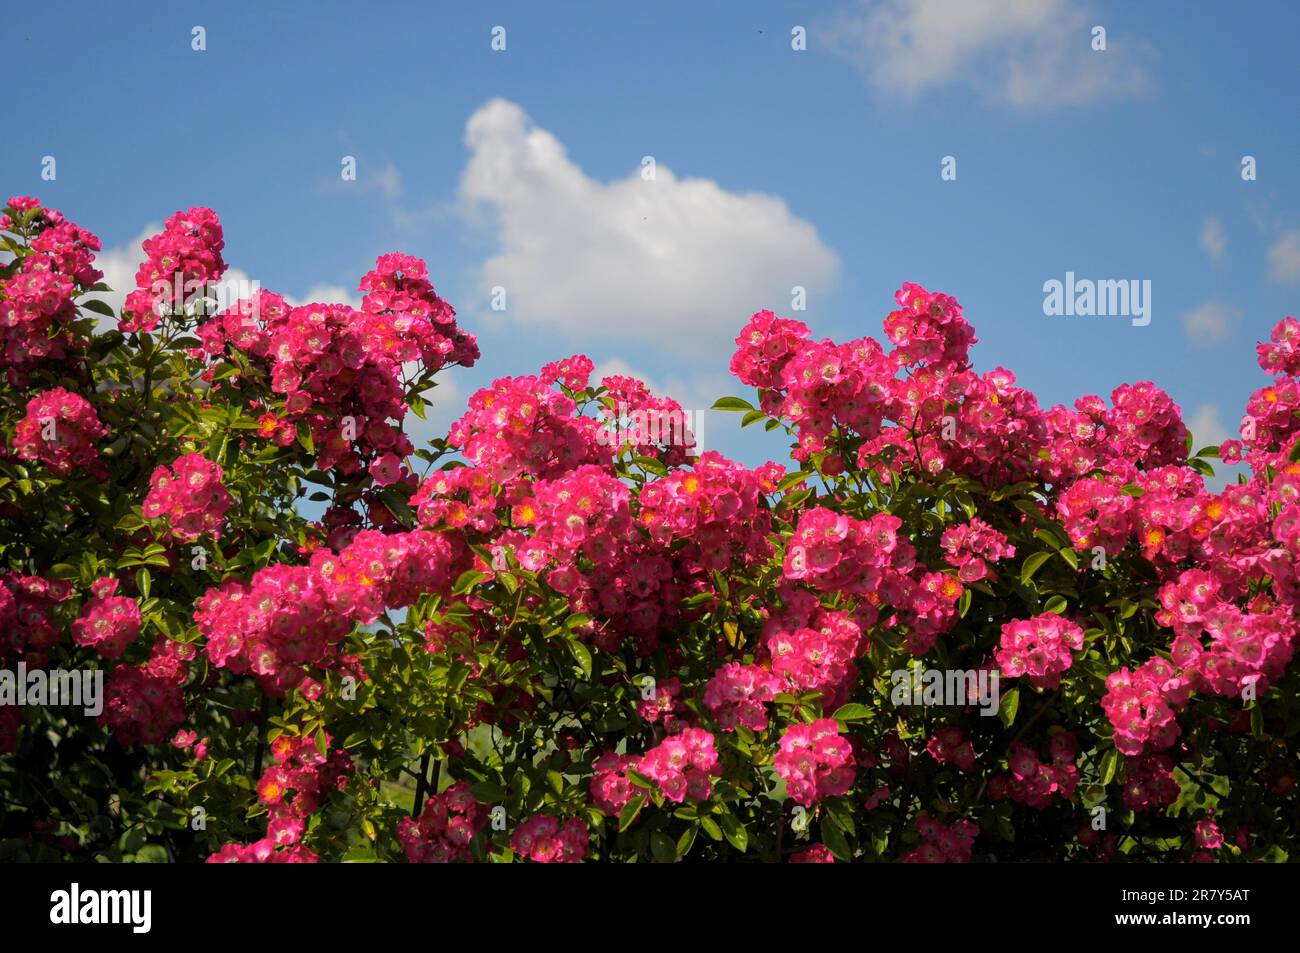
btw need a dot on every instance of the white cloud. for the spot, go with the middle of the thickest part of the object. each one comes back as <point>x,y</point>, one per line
<point>1206,426</point>
<point>385,179</point>
<point>326,294</point>
<point>679,263</point>
<point>1214,240</point>
<point>1031,54</point>
<point>389,181</point>
<point>1209,324</point>
<point>1284,259</point>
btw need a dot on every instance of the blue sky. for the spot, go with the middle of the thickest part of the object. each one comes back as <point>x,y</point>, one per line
<point>774,167</point>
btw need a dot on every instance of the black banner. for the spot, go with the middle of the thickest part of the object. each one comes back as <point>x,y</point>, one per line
<point>146,903</point>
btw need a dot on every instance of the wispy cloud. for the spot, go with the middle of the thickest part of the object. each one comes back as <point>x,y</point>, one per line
<point>1028,54</point>
<point>1210,323</point>
<point>1214,240</point>
<point>384,178</point>
<point>326,294</point>
<point>1284,259</point>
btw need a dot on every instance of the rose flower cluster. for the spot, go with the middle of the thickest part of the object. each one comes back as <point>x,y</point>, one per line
<point>635,649</point>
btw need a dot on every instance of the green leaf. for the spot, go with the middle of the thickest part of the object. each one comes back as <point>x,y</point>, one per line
<point>651,465</point>
<point>151,854</point>
<point>839,809</point>
<point>1031,565</point>
<point>359,855</point>
<point>488,792</point>
<point>852,712</point>
<point>1030,508</point>
<point>583,657</point>
<point>630,811</point>
<point>1109,766</point>
<point>1009,706</point>
<point>99,307</point>
<point>63,571</point>
<point>304,436</point>
<point>640,780</point>
<point>1052,536</point>
<point>556,780</point>
<point>1056,605</point>
<point>467,581</point>
<point>687,840</point>
<point>735,832</point>
<point>792,480</point>
<point>662,848</point>
<point>732,403</point>
<point>833,837</point>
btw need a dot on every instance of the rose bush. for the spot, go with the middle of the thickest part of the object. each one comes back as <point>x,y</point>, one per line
<point>525,641</point>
